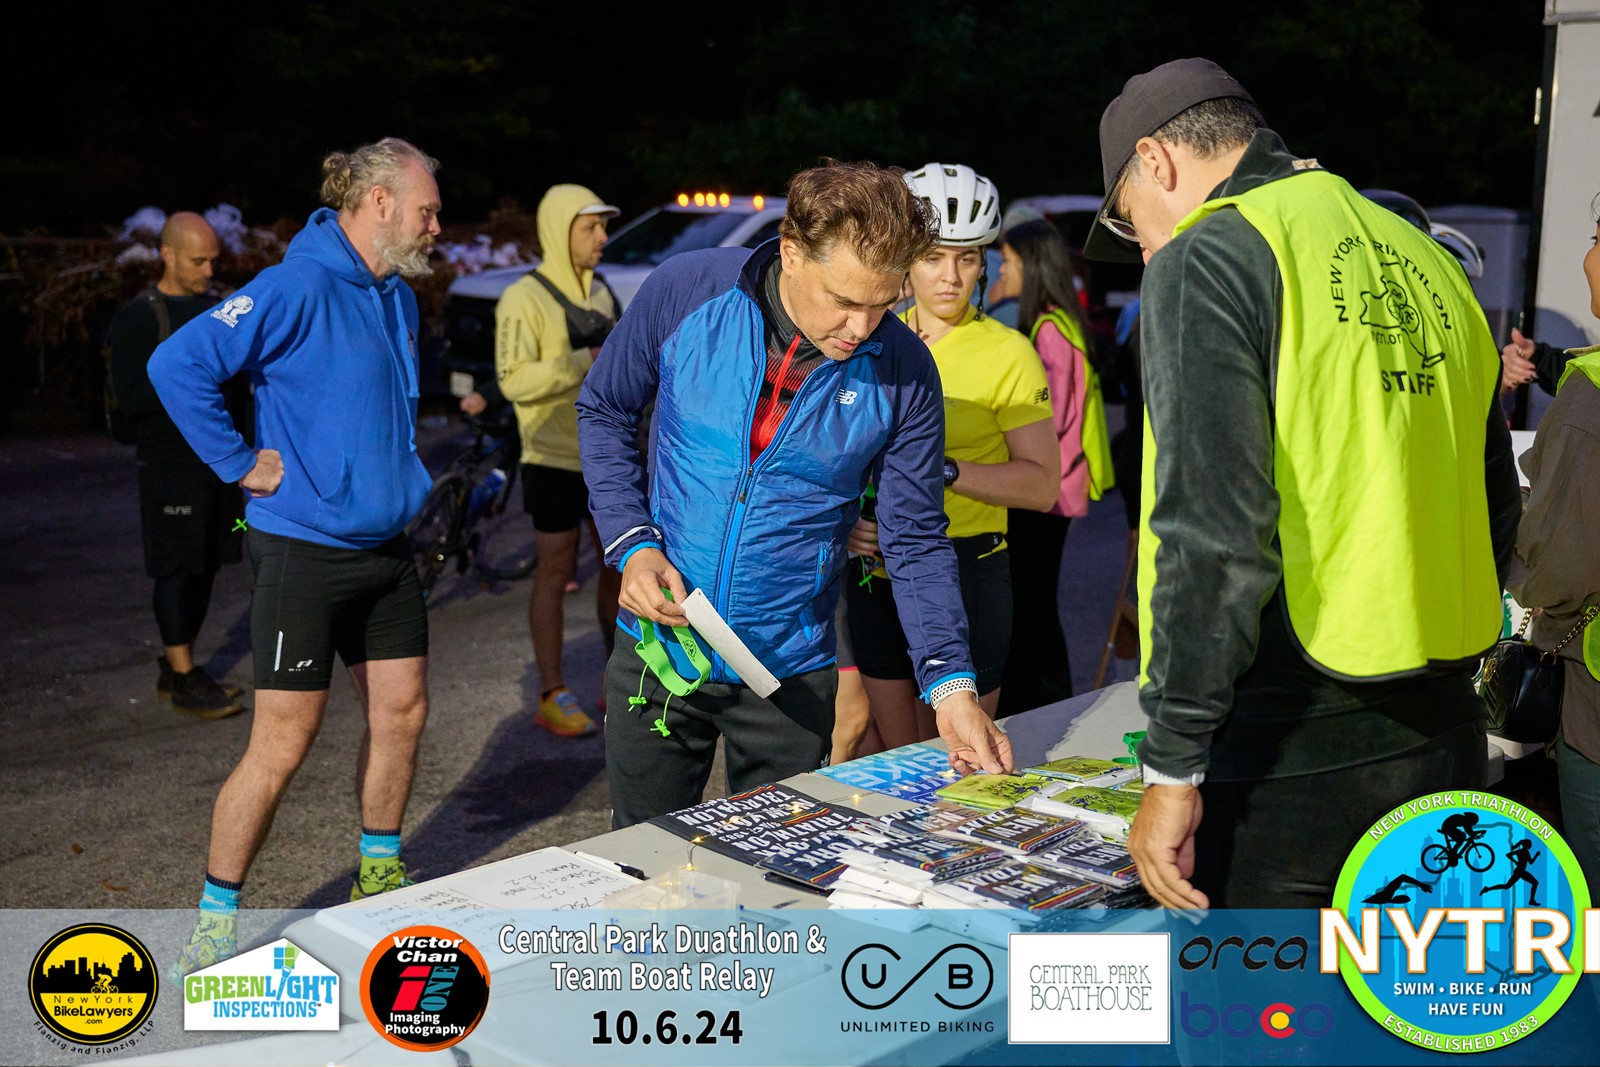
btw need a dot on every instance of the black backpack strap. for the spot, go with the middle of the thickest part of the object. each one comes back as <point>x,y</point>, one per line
<point>566,305</point>
<point>586,327</point>
<point>616,305</point>
<point>158,308</point>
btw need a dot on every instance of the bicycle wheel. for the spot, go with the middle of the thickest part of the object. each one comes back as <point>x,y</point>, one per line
<point>1435,858</point>
<point>1480,857</point>
<point>435,533</point>
<point>506,549</point>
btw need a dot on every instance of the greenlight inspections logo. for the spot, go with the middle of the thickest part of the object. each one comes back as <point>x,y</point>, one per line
<point>1461,922</point>
<point>274,987</point>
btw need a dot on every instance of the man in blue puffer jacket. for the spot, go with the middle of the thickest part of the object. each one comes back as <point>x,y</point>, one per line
<point>329,340</point>
<point>780,387</point>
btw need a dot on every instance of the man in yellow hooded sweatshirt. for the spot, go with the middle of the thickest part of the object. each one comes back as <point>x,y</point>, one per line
<point>548,329</point>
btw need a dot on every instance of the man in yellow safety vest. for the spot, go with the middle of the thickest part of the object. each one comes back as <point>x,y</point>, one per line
<point>1329,501</point>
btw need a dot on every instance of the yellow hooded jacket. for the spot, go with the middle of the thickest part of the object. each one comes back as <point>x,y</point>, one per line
<point>538,369</point>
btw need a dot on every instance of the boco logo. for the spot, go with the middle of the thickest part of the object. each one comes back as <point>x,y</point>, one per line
<point>959,975</point>
<point>1278,1020</point>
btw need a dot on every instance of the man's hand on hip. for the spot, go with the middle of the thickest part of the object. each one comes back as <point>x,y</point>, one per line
<point>265,477</point>
<point>974,741</point>
<point>646,572</point>
<point>1162,843</point>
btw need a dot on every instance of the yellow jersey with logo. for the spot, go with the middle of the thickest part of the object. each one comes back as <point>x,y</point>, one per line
<point>993,383</point>
<point>1385,375</point>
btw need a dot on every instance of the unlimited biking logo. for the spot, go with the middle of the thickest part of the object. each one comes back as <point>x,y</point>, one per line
<point>1460,922</point>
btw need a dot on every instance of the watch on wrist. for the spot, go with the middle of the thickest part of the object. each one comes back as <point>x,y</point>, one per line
<point>951,472</point>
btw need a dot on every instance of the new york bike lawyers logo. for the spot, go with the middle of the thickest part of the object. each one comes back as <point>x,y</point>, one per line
<point>1460,922</point>
<point>93,984</point>
<point>274,987</point>
<point>425,988</point>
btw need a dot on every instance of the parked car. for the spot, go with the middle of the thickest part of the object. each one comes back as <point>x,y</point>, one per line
<point>692,221</point>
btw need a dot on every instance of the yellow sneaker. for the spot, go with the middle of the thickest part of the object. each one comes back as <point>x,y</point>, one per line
<point>561,714</point>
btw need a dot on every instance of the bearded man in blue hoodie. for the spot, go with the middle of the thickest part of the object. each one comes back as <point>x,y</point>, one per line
<point>329,341</point>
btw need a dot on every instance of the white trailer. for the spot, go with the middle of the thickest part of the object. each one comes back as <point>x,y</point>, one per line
<point>1569,141</point>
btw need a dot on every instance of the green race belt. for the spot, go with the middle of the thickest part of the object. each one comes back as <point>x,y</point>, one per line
<point>655,656</point>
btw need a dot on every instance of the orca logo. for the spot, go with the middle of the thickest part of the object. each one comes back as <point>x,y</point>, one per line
<point>1255,955</point>
<point>962,971</point>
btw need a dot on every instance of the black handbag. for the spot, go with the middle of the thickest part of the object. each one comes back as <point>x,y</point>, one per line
<point>1522,686</point>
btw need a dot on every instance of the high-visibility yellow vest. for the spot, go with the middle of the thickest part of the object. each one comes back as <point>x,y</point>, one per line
<point>1586,360</point>
<point>1386,373</point>
<point>1095,437</point>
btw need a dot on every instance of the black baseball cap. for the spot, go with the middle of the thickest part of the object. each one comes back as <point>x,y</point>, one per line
<point>1148,102</point>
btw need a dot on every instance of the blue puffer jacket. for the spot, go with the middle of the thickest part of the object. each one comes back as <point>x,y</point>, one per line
<point>766,539</point>
<point>332,353</point>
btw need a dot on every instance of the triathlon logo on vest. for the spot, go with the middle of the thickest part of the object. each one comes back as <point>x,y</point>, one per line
<point>1388,308</point>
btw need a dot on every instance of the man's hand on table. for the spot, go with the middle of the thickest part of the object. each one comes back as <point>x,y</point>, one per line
<point>974,741</point>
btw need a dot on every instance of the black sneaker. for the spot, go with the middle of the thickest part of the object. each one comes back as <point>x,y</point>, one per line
<point>196,694</point>
<point>165,675</point>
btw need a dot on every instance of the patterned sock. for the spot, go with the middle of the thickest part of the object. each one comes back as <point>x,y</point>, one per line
<point>219,896</point>
<point>378,847</point>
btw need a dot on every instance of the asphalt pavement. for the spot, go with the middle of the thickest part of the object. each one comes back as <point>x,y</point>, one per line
<point>106,791</point>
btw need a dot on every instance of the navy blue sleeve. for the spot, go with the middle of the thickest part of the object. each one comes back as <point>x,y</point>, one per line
<point>617,390</point>
<point>912,523</point>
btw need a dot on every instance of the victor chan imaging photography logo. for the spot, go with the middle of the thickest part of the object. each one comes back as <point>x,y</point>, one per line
<point>1090,989</point>
<point>93,984</point>
<point>275,987</point>
<point>425,988</point>
<point>1460,922</point>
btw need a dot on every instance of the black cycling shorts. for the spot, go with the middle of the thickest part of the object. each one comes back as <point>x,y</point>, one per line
<point>879,644</point>
<point>313,601</point>
<point>190,520</point>
<point>557,499</point>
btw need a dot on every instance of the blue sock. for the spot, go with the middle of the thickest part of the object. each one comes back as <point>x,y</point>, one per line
<point>379,844</point>
<point>220,896</point>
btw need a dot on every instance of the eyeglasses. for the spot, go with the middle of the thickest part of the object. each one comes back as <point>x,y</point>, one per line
<point>1121,227</point>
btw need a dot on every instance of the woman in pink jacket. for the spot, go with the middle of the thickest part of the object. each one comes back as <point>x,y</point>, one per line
<point>1036,269</point>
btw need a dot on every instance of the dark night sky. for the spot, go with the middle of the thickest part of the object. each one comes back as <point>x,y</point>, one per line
<point>185,106</point>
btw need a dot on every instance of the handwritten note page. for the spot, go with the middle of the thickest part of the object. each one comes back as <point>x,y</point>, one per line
<point>477,902</point>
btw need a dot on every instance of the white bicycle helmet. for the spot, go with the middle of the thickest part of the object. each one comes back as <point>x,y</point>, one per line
<point>967,204</point>
<point>1458,244</point>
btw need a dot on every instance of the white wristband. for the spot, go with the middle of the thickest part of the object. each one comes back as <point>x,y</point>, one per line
<point>938,693</point>
<point>1155,777</point>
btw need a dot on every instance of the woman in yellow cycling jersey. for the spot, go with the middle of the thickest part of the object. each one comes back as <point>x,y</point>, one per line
<point>1000,452</point>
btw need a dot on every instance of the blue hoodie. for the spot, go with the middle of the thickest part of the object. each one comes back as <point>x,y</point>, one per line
<point>332,354</point>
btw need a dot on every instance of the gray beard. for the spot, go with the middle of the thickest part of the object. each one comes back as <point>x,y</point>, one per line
<point>408,258</point>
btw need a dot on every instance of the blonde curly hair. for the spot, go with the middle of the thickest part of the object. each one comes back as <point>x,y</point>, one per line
<point>347,177</point>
